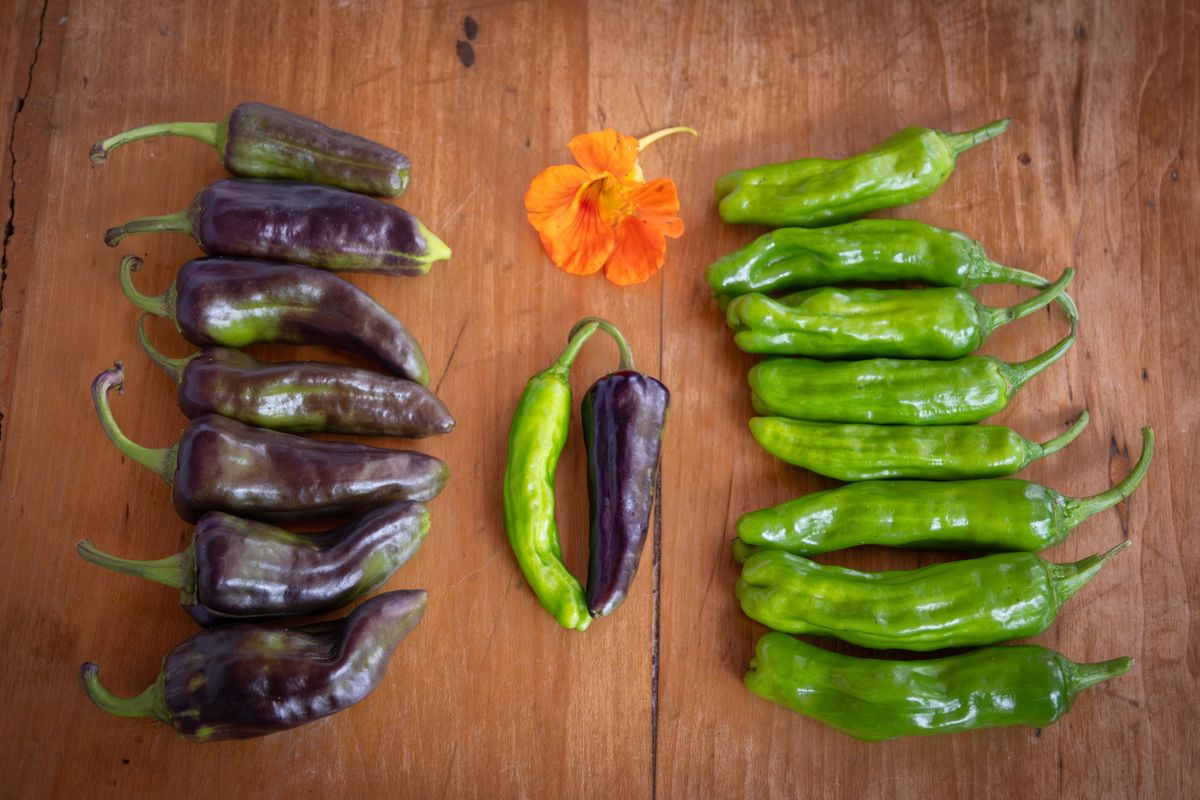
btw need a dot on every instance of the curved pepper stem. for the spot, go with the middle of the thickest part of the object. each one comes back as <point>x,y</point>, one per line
<point>172,366</point>
<point>169,571</point>
<point>159,305</point>
<point>207,132</point>
<point>1067,579</point>
<point>150,703</point>
<point>959,143</point>
<point>993,272</point>
<point>1080,508</point>
<point>1020,373</point>
<point>179,222</point>
<point>618,337</point>
<point>993,318</point>
<point>160,461</point>
<point>1062,440</point>
<point>1081,676</point>
<point>575,343</point>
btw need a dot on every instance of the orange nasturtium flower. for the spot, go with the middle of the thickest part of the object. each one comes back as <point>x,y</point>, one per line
<point>604,213</point>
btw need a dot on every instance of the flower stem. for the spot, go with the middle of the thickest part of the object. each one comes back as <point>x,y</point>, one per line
<point>651,138</point>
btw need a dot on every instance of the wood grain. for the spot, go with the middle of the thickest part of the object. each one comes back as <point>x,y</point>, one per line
<point>488,698</point>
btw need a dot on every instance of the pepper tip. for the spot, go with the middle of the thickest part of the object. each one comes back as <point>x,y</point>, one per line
<point>98,154</point>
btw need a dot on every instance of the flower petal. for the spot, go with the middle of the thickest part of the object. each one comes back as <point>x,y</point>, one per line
<point>638,254</point>
<point>564,206</point>
<point>605,151</point>
<point>657,202</point>
<point>552,193</point>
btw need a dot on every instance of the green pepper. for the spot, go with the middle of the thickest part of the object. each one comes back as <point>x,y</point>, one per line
<point>815,191</point>
<point>875,699</point>
<point>861,323</point>
<point>982,515</point>
<point>935,452</point>
<point>966,603</point>
<point>890,391</point>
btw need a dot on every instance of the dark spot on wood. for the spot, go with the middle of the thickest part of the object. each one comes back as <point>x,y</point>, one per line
<point>1151,204</point>
<point>127,512</point>
<point>124,760</point>
<point>1145,374</point>
<point>1113,448</point>
<point>85,81</point>
<point>527,141</point>
<point>1080,32</point>
<point>163,30</point>
<point>1024,159</point>
<point>1174,172</point>
<point>466,53</point>
<point>1037,731</point>
<point>470,27</point>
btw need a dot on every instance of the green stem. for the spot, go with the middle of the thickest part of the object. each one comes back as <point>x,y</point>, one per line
<point>617,336</point>
<point>150,703</point>
<point>1067,579</point>
<point>1080,508</point>
<point>742,551</point>
<point>159,305</point>
<point>206,132</point>
<point>961,142</point>
<point>995,317</point>
<point>169,571</point>
<point>179,222</point>
<point>992,272</point>
<point>575,343</point>
<point>1081,676</point>
<point>1061,441</point>
<point>172,366</point>
<point>160,461</point>
<point>1020,373</point>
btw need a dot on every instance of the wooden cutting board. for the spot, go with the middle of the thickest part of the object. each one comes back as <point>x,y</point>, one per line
<point>489,698</point>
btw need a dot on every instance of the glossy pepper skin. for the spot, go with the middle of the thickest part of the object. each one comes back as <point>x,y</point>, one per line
<point>241,569</point>
<point>238,302</point>
<point>243,680</point>
<point>968,603</point>
<point>261,141</point>
<point>876,699</point>
<point>222,465</point>
<point>300,222</point>
<point>815,191</point>
<point>981,515</point>
<point>623,417</point>
<point>865,323</point>
<point>890,391</point>
<point>932,452</point>
<point>301,396</point>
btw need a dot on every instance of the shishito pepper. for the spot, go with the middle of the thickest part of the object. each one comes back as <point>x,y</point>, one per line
<point>996,514</point>
<point>936,452</point>
<point>816,191</point>
<point>863,323</point>
<point>302,222</point>
<point>240,569</point>
<point>875,699</point>
<point>967,603</point>
<point>261,141</point>
<point>237,302</point>
<point>243,680</point>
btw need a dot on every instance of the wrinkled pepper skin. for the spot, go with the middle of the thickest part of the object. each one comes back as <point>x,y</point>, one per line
<point>813,192</point>
<point>969,603</point>
<point>889,391</point>
<point>241,569</point>
<point>934,452</point>
<point>261,141</point>
<point>876,699</point>
<point>300,222</point>
<point>864,323</point>
<point>1004,514</point>
<point>244,680</point>
<point>302,396</point>
<point>238,302</point>
<point>222,465</point>
<point>623,418</point>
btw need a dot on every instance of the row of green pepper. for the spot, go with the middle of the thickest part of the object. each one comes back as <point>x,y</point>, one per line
<point>906,409</point>
<point>240,464</point>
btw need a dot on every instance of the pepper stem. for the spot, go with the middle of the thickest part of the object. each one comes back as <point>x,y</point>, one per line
<point>1067,579</point>
<point>160,461</point>
<point>961,142</point>
<point>1080,508</point>
<point>1081,676</point>
<point>575,343</point>
<point>651,138</point>
<point>993,318</point>
<point>742,551</point>
<point>168,571</point>
<point>617,336</point>
<point>150,703</point>
<point>179,222</point>
<point>1061,441</point>
<point>159,305</point>
<point>172,366</point>
<point>203,131</point>
<point>991,272</point>
<point>1020,373</point>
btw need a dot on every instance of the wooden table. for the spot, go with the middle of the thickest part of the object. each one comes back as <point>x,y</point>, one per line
<point>489,698</point>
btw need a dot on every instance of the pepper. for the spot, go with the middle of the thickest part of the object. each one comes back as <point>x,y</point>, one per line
<point>623,417</point>
<point>967,603</point>
<point>240,569</point>
<point>875,699</point>
<point>936,452</point>
<point>812,192</point>
<point>997,514</point>
<point>889,391</point>
<point>300,396</point>
<point>237,302</point>
<point>862,323</point>
<point>222,465</point>
<point>261,141</point>
<point>243,680</point>
<point>302,222</point>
